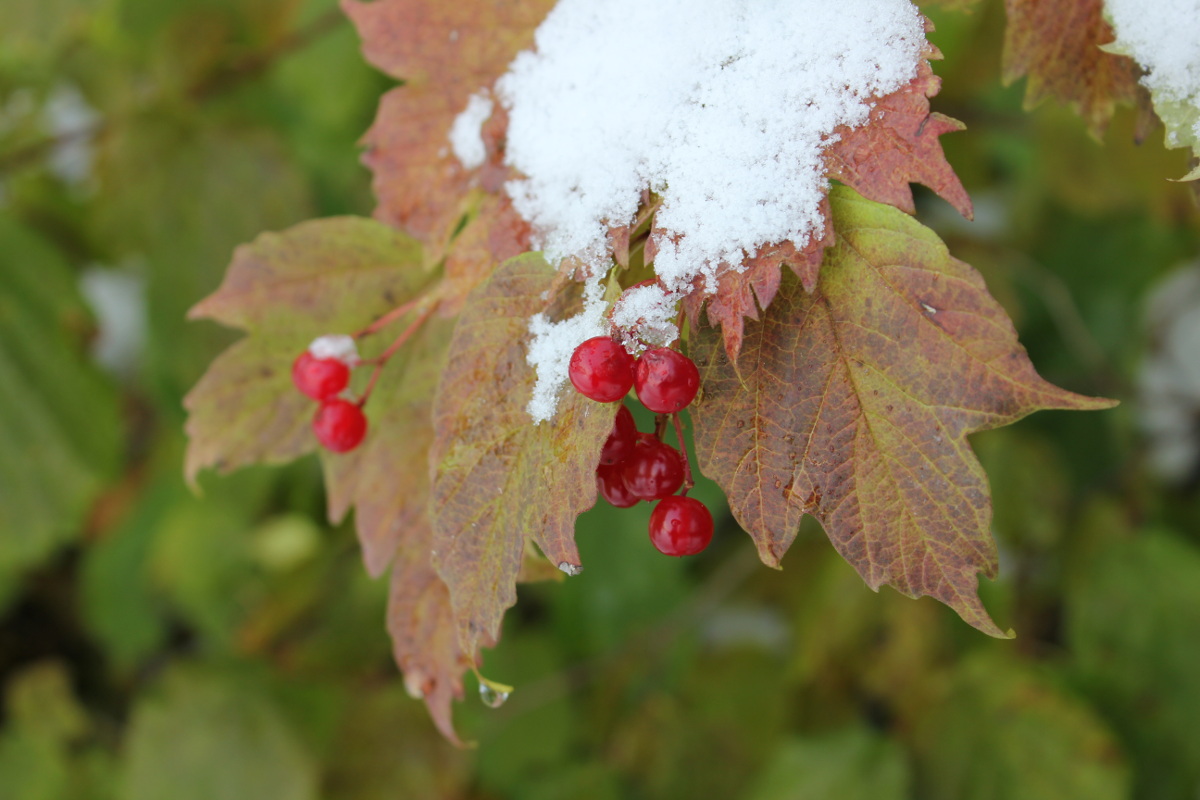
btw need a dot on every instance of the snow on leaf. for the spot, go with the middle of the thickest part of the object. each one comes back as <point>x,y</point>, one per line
<point>499,479</point>
<point>852,403</point>
<point>1057,44</point>
<point>898,146</point>
<point>326,276</point>
<point>1161,37</point>
<point>445,53</point>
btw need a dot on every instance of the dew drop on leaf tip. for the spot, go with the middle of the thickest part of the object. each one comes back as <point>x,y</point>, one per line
<point>493,696</point>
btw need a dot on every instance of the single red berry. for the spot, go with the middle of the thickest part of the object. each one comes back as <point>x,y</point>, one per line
<point>601,369</point>
<point>611,483</point>
<point>666,380</point>
<point>319,378</point>
<point>653,471</point>
<point>680,526</point>
<point>620,442</point>
<point>339,425</point>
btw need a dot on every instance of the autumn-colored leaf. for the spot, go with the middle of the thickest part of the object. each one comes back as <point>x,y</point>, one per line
<point>852,403</point>
<point>336,276</point>
<point>900,145</point>
<point>1056,43</point>
<point>425,640</point>
<point>444,53</point>
<point>897,146</point>
<point>325,276</point>
<point>499,478</point>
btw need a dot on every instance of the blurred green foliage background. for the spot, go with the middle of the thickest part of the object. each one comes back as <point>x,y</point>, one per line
<point>155,643</point>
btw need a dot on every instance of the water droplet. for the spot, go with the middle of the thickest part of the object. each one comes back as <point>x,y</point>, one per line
<point>778,483</point>
<point>570,569</point>
<point>493,695</point>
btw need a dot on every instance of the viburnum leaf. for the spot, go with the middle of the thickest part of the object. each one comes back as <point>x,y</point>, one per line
<point>898,145</point>
<point>853,402</point>
<point>500,479</point>
<point>325,276</point>
<point>337,276</point>
<point>444,53</point>
<point>1057,44</point>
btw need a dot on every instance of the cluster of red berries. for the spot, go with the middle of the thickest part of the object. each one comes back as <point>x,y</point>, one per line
<point>640,466</point>
<point>322,372</point>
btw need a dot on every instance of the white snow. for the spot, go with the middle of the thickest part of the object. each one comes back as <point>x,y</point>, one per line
<point>550,357</point>
<point>335,345</point>
<point>465,134</point>
<point>1164,37</point>
<point>722,107</point>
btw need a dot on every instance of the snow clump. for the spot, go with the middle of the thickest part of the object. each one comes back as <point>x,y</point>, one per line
<point>721,107</point>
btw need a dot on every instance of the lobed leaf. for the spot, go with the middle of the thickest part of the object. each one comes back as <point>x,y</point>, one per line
<point>852,403</point>
<point>336,276</point>
<point>1056,44</point>
<point>444,53</point>
<point>325,276</point>
<point>500,480</point>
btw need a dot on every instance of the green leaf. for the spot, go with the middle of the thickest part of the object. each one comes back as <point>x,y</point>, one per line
<point>46,752</point>
<point>852,764</point>
<point>1133,624</point>
<point>58,415</point>
<point>499,478</point>
<point>209,187</point>
<point>853,404</point>
<point>205,737</point>
<point>1003,732</point>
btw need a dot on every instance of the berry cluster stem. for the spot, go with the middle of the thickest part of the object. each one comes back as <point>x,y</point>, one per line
<point>391,316</point>
<point>688,483</point>
<point>381,360</point>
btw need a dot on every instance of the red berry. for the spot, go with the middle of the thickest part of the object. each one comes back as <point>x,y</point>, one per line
<point>339,425</point>
<point>666,380</point>
<point>601,369</point>
<point>620,442</point>
<point>611,483</point>
<point>680,526</point>
<point>319,378</point>
<point>654,471</point>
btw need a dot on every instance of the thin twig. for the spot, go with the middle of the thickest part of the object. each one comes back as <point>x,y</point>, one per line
<point>381,360</point>
<point>688,483</point>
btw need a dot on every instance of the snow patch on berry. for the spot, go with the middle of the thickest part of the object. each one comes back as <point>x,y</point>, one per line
<point>466,137</point>
<point>646,313</point>
<point>337,346</point>
<point>551,345</point>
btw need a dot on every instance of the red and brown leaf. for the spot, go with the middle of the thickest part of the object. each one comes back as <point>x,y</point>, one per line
<point>499,479</point>
<point>444,53</point>
<point>853,402</point>
<point>900,145</point>
<point>1056,43</point>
